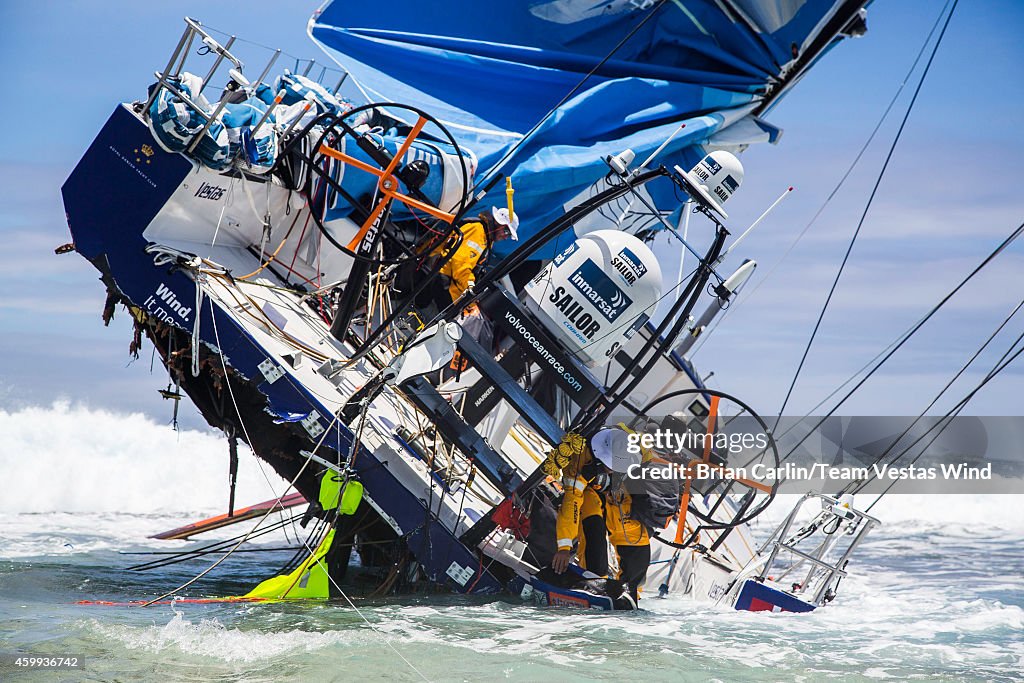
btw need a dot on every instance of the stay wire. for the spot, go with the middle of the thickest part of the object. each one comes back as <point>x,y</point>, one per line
<point>835,190</point>
<point>176,557</point>
<point>867,207</point>
<point>935,309</point>
<point>939,395</point>
<point>849,379</point>
<point>387,641</point>
<point>954,412</point>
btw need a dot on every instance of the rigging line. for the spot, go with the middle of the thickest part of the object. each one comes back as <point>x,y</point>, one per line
<point>496,167</point>
<point>849,379</point>
<point>187,555</point>
<point>262,519</point>
<point>944,389</point>
<point>867,207</point>
<point>268,48</point>
<point>231,392</point>
<point>935,309</point>
<point>821,209</point>
<point>954,412</point>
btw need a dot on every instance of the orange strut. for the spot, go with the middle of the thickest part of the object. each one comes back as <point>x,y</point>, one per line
<point>684,502</point>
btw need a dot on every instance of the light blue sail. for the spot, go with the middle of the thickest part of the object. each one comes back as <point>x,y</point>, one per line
<point>599,77</point>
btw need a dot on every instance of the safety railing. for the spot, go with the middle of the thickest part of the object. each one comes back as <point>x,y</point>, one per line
<point>825,565</point>
<point>211,46</point>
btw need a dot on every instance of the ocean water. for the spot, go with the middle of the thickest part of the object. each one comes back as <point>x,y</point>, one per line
<point>936,594</point>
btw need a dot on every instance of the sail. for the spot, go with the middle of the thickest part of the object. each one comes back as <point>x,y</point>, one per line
<point>599,77</point>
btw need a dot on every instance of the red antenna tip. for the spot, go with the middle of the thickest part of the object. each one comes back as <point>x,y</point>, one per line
<point>790,189</point>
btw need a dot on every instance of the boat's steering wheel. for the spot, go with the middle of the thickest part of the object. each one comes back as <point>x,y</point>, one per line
<point>395,181</point>
<point>752,503</point>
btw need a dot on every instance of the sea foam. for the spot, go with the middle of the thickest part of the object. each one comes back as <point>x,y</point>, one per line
<point>73,458</point>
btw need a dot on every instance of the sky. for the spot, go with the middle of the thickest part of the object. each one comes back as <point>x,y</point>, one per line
<point>951,193</point>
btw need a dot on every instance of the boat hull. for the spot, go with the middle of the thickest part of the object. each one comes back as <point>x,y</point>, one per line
<point>111,197</point>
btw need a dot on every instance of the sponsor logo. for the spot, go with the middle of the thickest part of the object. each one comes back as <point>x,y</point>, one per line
<point>713,165</point>
<point>599,290</point>
<point>212,192</point>
<point>583,326</point>
<point>542,352</point>
<point>565,254</point>
<point>558,600</point>
<point>629,266</point>
<point>483,397</point>
<point>163,303</point>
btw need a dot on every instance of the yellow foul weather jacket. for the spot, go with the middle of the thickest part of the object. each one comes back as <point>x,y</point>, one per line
<point>580,500</point>
<point>459,268</point>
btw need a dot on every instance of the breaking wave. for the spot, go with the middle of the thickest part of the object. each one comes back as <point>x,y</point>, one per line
<point>72,458</point>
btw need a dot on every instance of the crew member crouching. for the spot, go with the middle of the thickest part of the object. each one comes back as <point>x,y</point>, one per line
<point>627,535</point>
<point>596,508</point>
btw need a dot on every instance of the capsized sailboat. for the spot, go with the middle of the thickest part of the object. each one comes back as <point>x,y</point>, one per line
<point>281,246</point>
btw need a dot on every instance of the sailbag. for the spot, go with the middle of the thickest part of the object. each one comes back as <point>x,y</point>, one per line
<point>597,77</point>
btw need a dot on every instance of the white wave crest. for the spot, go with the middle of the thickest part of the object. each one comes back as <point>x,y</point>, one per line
<point>73,458</point>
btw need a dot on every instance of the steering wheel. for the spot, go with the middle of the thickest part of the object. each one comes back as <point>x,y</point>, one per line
<point>394,181</point>
<point>750,506</point>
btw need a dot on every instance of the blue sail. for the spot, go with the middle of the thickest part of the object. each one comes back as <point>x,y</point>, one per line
<point>599,77</point>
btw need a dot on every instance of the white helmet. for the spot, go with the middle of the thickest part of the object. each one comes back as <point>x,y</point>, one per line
<point>501,216</point>
<point>610,447</point>
<point>715,178</point>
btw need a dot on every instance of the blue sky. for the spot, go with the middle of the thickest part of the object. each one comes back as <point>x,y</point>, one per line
<point>951,193</point>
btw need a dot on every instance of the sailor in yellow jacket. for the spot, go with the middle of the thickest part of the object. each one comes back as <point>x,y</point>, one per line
<point>593,506</point>
<point>477,238</point>
<point>627,535</point>
<point>581,514</point>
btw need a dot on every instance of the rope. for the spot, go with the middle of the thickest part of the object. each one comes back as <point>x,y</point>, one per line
<point>222,32</point>
<point>939,395</point>
<point>284,239</point>
<point>867,207</point>
<point>195,327</point>
<point>351,604</point>
<point>954,412</point>
<point>262,519</point>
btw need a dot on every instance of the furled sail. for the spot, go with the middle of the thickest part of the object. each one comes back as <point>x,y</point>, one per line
<point>598,77</point>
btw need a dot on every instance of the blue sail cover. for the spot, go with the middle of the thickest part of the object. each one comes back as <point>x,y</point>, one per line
<point>490,71</point>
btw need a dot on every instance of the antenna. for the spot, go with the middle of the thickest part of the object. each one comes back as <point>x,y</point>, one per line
<point>754,225</point>
<point>661,147</point>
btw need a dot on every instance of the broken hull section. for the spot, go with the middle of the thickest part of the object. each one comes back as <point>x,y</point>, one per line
<point>111,198</point>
